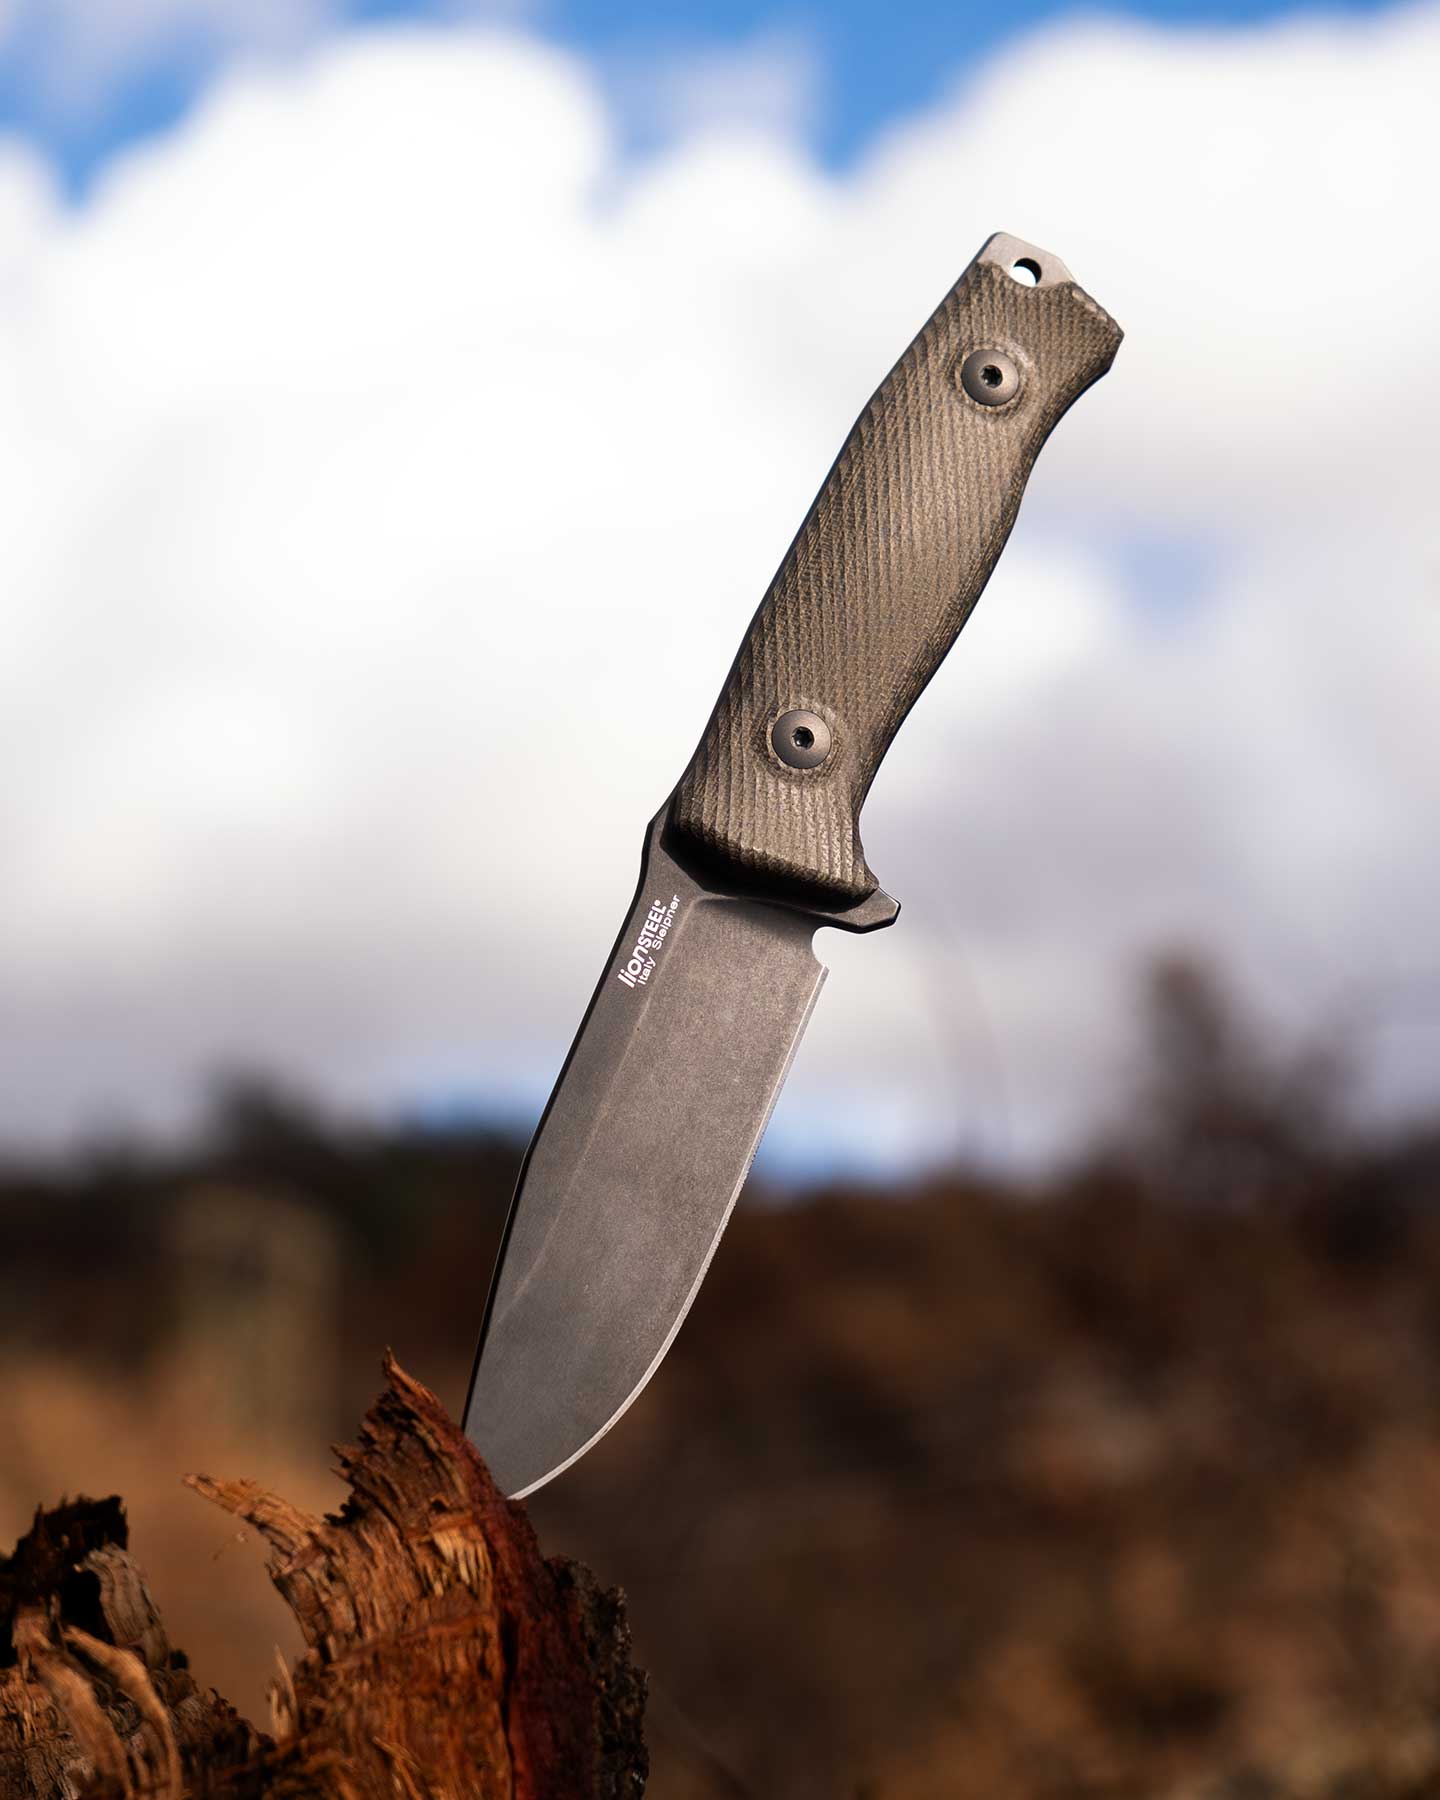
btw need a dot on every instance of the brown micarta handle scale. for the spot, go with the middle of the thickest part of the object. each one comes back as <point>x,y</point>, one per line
<point>885,570</point>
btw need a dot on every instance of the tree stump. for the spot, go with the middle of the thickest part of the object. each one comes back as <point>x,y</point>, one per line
<point>446,1659</point>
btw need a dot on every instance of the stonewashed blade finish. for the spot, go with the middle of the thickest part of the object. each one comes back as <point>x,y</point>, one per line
<point>668,1087</point>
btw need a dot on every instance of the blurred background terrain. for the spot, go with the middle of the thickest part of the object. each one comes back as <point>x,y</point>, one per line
<point>1122,1484</point>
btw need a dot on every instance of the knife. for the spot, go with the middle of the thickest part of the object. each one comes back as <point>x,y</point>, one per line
<point>665,1094</point>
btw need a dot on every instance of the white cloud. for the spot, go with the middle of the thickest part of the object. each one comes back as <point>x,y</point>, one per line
<point>772,81</point>
<point>389,478</point>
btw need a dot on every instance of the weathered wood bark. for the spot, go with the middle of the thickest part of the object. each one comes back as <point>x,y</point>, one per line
<point>446,1660</point>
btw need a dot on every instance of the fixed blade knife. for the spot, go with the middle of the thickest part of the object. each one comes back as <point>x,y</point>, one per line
<point>661,1104</point>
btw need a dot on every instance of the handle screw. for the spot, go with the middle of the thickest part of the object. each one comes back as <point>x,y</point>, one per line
<point>990,377</point>
<point>800,739</point>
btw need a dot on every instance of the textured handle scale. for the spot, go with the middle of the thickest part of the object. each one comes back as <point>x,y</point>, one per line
<point>884,572</point>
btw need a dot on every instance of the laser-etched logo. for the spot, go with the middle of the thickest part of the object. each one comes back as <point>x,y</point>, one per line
<point>652,935</point>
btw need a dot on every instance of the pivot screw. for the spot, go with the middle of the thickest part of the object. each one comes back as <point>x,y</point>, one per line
<point>800,739</point>
<point>990,377</point>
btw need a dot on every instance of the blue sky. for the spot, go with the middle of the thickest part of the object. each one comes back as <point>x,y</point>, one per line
<point>80,81</point>
<point>277,392</point>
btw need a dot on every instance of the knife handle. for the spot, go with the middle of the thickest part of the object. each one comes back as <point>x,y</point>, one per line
<point>885,570</point>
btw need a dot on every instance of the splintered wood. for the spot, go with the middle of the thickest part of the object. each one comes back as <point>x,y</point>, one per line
<point>446,1659</point>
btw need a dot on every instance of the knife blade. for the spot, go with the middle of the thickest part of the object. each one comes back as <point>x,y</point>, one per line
<point>659,1109</point>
